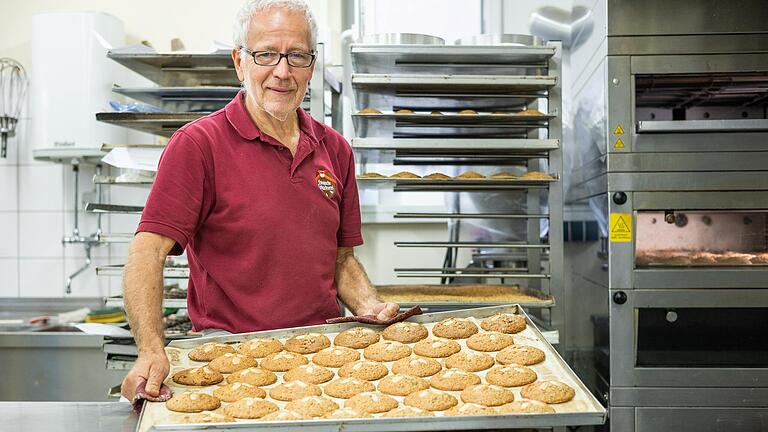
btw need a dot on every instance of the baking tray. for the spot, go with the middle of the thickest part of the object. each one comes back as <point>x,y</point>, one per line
<point>182,99</point>
<point>481,125</point>
<point>584,409</point>
<point>447,296</point>
<point>179,69</point>
<point>162,123</point>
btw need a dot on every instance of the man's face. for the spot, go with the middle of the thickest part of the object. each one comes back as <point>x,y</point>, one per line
<point>279,89</point>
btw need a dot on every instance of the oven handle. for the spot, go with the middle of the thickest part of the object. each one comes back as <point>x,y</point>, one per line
<point>698,126</point>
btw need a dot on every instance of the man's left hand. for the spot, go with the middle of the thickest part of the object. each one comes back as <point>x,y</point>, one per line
<point>383,310</point>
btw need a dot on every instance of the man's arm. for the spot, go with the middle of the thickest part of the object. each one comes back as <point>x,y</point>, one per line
<point>355,289</point>
<point>143,295</point>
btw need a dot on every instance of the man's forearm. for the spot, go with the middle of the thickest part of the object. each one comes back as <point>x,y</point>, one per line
<point>352,284</point>
<point>143,294</point>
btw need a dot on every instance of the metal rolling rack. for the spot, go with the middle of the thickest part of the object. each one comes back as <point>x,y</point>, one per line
<point>497,82</point>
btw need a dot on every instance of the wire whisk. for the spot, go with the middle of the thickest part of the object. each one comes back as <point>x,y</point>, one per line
<point>13,91</point>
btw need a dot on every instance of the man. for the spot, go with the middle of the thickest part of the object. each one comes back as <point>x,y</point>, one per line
<point>262,197</point>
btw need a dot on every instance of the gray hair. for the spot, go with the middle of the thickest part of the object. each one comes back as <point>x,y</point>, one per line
<point>251,7</point>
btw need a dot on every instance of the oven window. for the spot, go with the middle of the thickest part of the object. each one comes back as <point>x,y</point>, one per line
<point>701,238</point>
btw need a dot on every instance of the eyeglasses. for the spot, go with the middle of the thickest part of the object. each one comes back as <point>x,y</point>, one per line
<point>272,58</point>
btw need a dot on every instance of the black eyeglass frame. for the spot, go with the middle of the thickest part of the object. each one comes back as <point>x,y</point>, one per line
<point>253,54</point>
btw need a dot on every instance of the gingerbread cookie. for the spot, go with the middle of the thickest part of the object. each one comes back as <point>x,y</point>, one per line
<point>454,328</point>
<point>520,354</point>
<point>371,403</point>
<point>504,323</point>
<point>209,351</point>
<point>436,348</point>
<point>200,376</point>
<point>405,332</point>
<point>236,391</point>
<point>307,343</point>
<point>312,406</point>
<point>229,363</point>
<point>491,341</point>
<point>364,369</point>
<point>469,361</point>
<point>283,361</point>
<point>511,375</point>
<point>345,388</point>
<point>454,380</point>
<point>487,395</point>
<point>550,391</point>
<point>260,347</point>
<point>335,357</point>
<point>431,400</point>
<point>356,337</point>
<point>420,367</point>
<point>253,376</point>
<point>385,351</point>
<point>294,390</point>
<point>402,385</point>
<point>310,374</point>
<point>192,401</point>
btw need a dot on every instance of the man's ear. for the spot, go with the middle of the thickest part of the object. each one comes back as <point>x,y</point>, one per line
<point>237,60</point>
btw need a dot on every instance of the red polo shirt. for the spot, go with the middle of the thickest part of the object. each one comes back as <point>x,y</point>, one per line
<point>261,227</point>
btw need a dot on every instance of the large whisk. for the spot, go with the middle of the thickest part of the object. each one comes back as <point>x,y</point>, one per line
<point>13,89</point>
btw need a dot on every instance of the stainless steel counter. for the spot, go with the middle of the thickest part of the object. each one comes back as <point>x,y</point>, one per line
<point>67,416</point>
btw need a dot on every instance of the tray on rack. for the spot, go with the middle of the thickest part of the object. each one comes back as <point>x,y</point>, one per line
<point>162,123</point>
<point>584,409</point>
<point>182,99</point>
<point>469,295</point>
<point>180,69</point>
<point>480,125</point>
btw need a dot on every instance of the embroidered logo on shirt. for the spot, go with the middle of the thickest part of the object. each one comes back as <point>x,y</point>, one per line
<point>326,182</point>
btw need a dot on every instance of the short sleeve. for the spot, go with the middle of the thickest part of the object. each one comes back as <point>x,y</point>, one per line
<point>181,195</point>
<point>349,234</point>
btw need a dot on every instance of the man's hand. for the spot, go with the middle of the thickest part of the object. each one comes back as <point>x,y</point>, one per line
<point>152,367</point>
<point>383,310</point>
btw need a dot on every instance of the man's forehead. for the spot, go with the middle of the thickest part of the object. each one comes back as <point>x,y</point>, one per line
<point>276,26</point>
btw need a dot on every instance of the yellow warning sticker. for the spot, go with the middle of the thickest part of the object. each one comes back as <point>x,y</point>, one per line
<point>618,130</point>
<point>619,144</point>
<point>621,227</point>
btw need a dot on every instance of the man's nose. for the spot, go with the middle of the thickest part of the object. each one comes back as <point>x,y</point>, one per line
<point>282,70</point>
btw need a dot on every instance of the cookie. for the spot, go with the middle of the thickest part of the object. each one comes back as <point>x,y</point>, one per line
<point>283,415</point>
<point>504,175</point>
<point>520,354</point>
<point>402,385</point>
<point>549,391</point>
<point>229,363</point>
<point>369,111</point>
<point>467,112</point>
<point>310,374</point>
<point>192,401</point>
<point>453,380</point>
<point>345,388</point>
<point>260,347</point>
<point>250,408</point>
<point>491,341</point>
<point>469,361</point>
<point>487,395</point>
<point>405,175</point>
<point>404,111</point>
<point>356,337</point>
<point>200,376</point>
<point>437,176</point>
<point>405,332</point>
<point>283,361</point>
<point>420,367</point>
<point>207,417</point>
<point>312,406</point>
<point>236,391</point>
<point>472,175</point>
<point>385,351</point>
<point>335,357</point>
<point>511,375</point>
<point>454,328</point>
<point>365,370</point>
<point>470,409</point>
<point>371,403</point>
<point>294,390</point>
<point>437,348</point>
<point>371,175</point>
<point>526,406</point>
<point>504,323</point>
<point>431,400</point>
<point>253,376</point>
<point>209,351</point>
<point>346,413</point>
<point>407,411</point>
<point>307,343</point>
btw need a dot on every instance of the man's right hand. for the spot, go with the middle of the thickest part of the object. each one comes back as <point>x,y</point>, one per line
<point>152,367</point>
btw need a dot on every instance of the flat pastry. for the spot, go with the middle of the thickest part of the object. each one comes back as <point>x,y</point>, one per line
<point>260,347</point>
<point>371,403</point>
<point>419,366</point>
<point>310,374</point>
<point>250,408</point>
<point>503,176</point>
<point>335,357</point>
<point>469,361</point>
<point>369,111</point>
<point>536,175</point>
<point>551,392</point>
<point>385,351</point>
<point>283,415</point>
<point>356,337</point>
<point>467,112</point>
<point>407,411</point>
<point>431,400</point>
<point>405,332</point>
<point>405,175</point>
<point>487,395</point>
<point>489,341</point>
<point>470,175</point>
<point>294,390</point>
<point>238,390</point>
<point>229,363</point>
<point>470,409</point>
<point>454,380</point>
<point>192,401</point>
<point>312,406</point>
<point>526,406</point>
<point>371,175</point>
<point>511,375</point>
<point>436,113</point>
<point>436,348</point>
<point>454,328</point>
<point>520,354</point>
<point>207,417</point>
<point>345,388</point>
<point>283,361</point>
<point>365,370</point>
<point>346,413</point>
<point>402,385</point>
<point>201,376</point>
<point>437,176</point>
<point>404,111</point>
<point>209,351</point>
<point>253,376</point>
<point>504,323</point>
<point>307,343</point>
<point>530,112</point>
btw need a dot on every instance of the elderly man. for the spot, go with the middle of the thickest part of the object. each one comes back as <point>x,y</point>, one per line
<point>262,197</point>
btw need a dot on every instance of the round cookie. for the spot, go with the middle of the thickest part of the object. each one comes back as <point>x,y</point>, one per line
<point>491,341</point>
<point>469,361</point>
<point>385,351</point>
<point>192,401</point>
<point>526,406</point>
<point>345,388</point>
<point>454,328</point>
<point>402,385</point>
<point>253,376</point>
<point>365,370</point>
<point>283,415</point>
<point>207,417</point>
<point>549,391</point>
<point>307,343</point>
<point>371,403</point>
<point>405,332</point>
<point>346,413</point>
<point>487,395</point>
<point>229,363</point>
<point>335,357</point>
<point>283,361</point>
<point>356,338</point>
<point>420,367</point>
<point>209,351</point>
<point>520,354</point>
<point>312,406</point>
<point>511,375</point>
<point>294,390</point>
<point>453,380</point>
<point>504,323</point>
<point>200,376</point>
<point>250,408</point>
<point>436,348</point>
<point>407,411</point>
<point>431,400</point>
<point>310,374</point>
<point>470,409</point>
<point>260,347</point>
<point>236,391</point>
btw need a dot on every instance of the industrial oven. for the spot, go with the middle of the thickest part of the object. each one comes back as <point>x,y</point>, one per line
<point>671,138</point>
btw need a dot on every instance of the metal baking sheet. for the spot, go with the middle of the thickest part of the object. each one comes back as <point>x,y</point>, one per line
<point>410,296</point>
<point>182,99</point>
<point>437,145</point>
<point>481,125</point>
<point>454,83</point>
<point>181,69</point>
<point>163,124</point>
<point>584,409</point>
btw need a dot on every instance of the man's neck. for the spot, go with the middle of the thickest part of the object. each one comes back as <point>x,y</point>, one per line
<point>286,132</point>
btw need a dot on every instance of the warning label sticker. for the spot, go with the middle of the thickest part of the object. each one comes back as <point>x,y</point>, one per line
<point>619,144</point>
<point>618,130</point>
<point>621,227</point>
